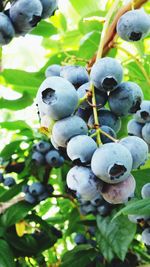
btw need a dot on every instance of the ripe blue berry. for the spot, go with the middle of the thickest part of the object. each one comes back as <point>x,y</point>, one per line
<point>6,30</point>
<point>9,181</point>
<point>53,70</point>
<point>106,74</point>
<point>67,128</point>
<point>57,98</point>
<point>146,133</point>
<point>146,236</point>
<point>146,191</point>
<point>43,147</point>
<point>83,181</point>
<point>25,15</point>
<point>137,218</point>
<point>119,193</point>
<point>126,99</point>
<point>54,159</point>
<point>134,128</point>
<point>112,163</point>
<point>134,25</point>
<point>77,75</point>
<point>107,118</point>
<point>109,131</point>
<point>36,189</point>
<point>101,97</point>
<point>143,114</point>
<point>138,149</point>
<point>81,148</point>
<point>29,198</point>
<point>49,7</point>
<point>38,158</point>
<point>80,239</point>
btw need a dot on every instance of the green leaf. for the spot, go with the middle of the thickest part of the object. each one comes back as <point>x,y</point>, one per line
<point>136,207</point>
<point>17,104</point>
<point>10,149</point>
<point>89,45</point>
<point>6,256</point>
<point>45,29</point>
<point>81,255</point>
<point>142,177</point>
<point>114,237</point>
<point>27,81</point>
<point>83,9</point>
<point>15,125</point>
<point>7,195</point>
<point>15,213</point>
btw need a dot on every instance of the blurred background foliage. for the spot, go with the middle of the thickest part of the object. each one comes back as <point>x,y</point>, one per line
<point>71,36</point>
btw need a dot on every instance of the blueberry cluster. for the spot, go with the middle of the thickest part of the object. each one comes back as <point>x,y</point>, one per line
<point>37,192</point>
<point>140,124</point>
<point>134,25</point>
<point>104,170</point>
<point>8,181</point>
<point>97,206</point>
<point>143,220</point>
<point>23,16</point>
<point>44,153</point>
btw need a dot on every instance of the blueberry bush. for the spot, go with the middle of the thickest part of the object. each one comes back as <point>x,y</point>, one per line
<point>75,133</point>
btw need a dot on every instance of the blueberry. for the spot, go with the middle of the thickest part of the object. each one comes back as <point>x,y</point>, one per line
<point>126,99</point>
<point>81,148</point>
<point>143,114</point>
<point>9,181</point>
<point>54,159</point>
<point>134,128</point>
<point>29,198</point>
<point>84,113</point>
<point>87,209</point>
<point>38,158</point>
<point>53,70</point>
<point>82,180</point>
<point>109,131</point>
<point>104,209</point>
<point>43,147</point>
<point>146,236</point>
<point>55,145</point>
<point>101,97</point>
<point>36,189</point>
<point>49,6</point>
<point>6,30</point>
<point>119,193</point>
<point>112,163</point>
<point>137,218</point>
<point>53,97</point>
<point>134,25</point>
<point>106,74</point>
<point>92,230</point>
<point>25,188</point>
<point>146,191</point>
<point>67,128</point>
<point>146,133</point>
<point>25,15</point>
<point>80,239</point>
<point>77,75</point>
<point>138,149</point>
<point>1,178</point>
<point>43,196</point>
<point>98,200</point>
<point>107,118</point>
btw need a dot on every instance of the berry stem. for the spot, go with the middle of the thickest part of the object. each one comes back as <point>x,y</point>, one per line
<point>99,55</point>
<point>105,29</point>
<point>104,133</point>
